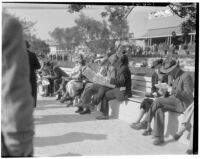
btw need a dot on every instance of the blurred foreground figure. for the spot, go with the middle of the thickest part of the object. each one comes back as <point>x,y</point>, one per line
<point>17,128</point>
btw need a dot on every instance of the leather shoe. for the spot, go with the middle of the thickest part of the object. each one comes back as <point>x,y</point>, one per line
<point>86,111</point>
<point>158,140</point>
<point>103,117</point>
<point>62,100</point>
<point>177,136</point>
<point>147,132</point>
<point>189,151</point>
<point>80,109</point>
<point>138,126</point>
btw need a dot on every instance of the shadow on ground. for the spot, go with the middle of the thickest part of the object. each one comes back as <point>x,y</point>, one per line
<point>67,154</point>
<point>46,104</point>
<point>64,118</point>
<point>50,106</point>
<point>66,139</point>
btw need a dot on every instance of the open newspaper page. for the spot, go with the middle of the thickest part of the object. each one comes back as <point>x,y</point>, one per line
<point>95,78</point>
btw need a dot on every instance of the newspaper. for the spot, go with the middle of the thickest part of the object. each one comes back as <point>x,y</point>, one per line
<point>96,78</point>
<point>162,85</point>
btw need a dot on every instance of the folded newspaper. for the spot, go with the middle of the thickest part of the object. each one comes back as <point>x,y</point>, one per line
<point>162,85</point>
<point>95,78</point>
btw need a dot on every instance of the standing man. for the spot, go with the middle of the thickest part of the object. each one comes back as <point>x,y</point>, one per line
<point>17,128</point>
<point>34,65</point>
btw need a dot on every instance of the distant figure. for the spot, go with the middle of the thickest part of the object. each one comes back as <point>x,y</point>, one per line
<point>17,103</point>
<point>34,65</point>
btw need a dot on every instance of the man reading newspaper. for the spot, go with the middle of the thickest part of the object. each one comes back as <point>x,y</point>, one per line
<point>96,78</point>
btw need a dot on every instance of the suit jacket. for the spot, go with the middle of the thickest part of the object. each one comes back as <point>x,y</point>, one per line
<point>17,103</point>
<point>123,79</point>
<point>182,88</point>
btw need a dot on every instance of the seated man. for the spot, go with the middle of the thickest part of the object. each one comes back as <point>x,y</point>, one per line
<point>96,89</point>
<point>58,73</point>
<point>181,97</point>
<point>146,103</point>
<point>76,83</point>
<point>122,90</point>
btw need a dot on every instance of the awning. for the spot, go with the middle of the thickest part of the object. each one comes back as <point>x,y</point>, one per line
<point>161,32</point>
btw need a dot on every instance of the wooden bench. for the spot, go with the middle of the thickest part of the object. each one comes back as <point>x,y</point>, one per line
<point>128,110</point>
<point>140,85</point>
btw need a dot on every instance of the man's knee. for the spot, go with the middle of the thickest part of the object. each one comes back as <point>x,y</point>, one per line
<point>156,104</point>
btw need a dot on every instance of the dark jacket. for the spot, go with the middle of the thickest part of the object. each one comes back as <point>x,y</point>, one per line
<point>34,65</point>
<point>58,73</point>
<point>123,79</point>
<point>182,88</point>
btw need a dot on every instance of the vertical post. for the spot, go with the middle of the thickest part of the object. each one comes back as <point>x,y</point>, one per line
<point>168,40</point>
<point>150,42</point>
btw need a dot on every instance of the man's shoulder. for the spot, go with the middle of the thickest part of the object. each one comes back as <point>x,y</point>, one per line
<point>185,75</point>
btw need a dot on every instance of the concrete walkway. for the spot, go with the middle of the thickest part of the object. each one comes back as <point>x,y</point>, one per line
<point>61,132</point>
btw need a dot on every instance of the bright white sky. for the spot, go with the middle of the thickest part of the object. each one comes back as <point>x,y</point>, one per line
<point>50,16</point>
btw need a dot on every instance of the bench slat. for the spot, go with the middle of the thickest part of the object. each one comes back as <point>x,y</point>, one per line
<point>141,78</point>
<point>141,83</point>
<point>141,88</point>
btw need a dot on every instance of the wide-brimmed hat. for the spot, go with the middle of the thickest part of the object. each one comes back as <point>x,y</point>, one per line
<point>169,65</point>
<point>157,63</point>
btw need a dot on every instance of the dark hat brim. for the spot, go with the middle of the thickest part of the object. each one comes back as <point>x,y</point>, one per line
<point>164,70</point>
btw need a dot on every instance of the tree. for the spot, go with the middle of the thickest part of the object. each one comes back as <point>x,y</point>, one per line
<point>75,7</point>
<point>93,33</point>
<point>96,34</point>
<point>118,24</point>
<point>187,11</point>
<point>117,15</point>
<point>37,45</point>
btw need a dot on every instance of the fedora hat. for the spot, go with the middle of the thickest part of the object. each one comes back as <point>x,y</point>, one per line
<point>157,63</point>
<point>169,65</point>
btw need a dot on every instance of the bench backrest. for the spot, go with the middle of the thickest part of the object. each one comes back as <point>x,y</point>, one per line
<point>141,84</point>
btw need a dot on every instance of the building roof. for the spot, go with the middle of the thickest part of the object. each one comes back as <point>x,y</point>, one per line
<point>161,32</point>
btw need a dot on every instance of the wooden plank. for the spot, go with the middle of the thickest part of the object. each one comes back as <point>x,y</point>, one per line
<point>142,88</point>
<point>136,99</point>
<point>141,78</point>
<point>141,83</point>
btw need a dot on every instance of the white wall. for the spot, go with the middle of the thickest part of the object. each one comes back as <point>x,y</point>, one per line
<point>140,43</point>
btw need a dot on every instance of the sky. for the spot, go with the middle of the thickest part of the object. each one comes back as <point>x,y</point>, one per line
<point>50,16</point>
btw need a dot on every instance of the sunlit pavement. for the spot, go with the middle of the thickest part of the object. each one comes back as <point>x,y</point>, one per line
<point>61,132</point>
